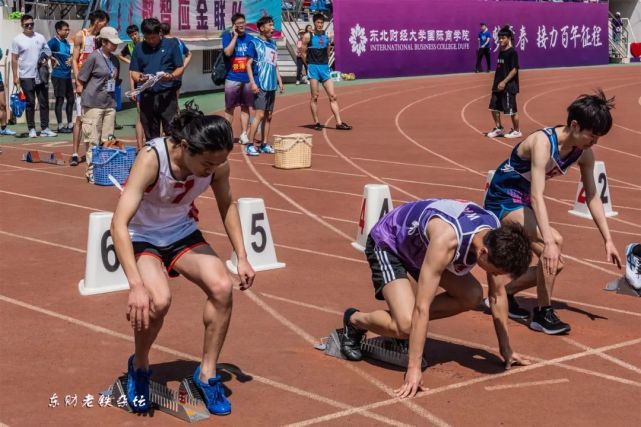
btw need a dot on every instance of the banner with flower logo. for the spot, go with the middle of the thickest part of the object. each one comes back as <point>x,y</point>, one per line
<point>382,38</point>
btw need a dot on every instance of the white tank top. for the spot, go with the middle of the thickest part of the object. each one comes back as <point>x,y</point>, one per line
<point>167,213</point>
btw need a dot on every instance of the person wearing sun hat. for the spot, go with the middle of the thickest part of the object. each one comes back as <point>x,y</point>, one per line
<point>96,81</point>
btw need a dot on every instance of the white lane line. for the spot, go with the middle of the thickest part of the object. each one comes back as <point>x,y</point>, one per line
<point>584,304</point>
<point>527,384</point>
<point>282,386</point>
<point>587,227</point>
<point>468,343</point>
<point>44,242</point>
<point>471,126</point>
<point>626,153</point>
<point>604,356</point>
<point>42,199</point>
<point>473,381</point>
<point>354,259</point>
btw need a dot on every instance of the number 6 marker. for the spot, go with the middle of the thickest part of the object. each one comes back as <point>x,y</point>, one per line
<point>102,270</point>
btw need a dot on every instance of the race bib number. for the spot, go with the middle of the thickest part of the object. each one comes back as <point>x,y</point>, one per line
<point>271,56</point>
<point>90,45</point>
<point>239,65</point>
<point>111,85</point>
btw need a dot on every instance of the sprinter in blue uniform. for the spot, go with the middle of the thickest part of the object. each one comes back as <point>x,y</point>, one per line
<point>516,195</point>
<point>315,54</point>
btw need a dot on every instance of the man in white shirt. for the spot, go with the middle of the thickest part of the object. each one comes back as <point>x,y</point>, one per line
<point>26,50</point>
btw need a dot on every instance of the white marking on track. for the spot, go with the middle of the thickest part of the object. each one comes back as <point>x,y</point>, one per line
<point>527,384</point>
<point>604,356</point>
<point>279,385</point>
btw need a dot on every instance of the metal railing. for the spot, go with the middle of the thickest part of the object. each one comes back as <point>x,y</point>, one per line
<point>618,41</point>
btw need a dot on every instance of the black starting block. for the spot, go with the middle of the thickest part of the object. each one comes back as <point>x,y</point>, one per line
<point>186,404</point>
<point>384,349</point>
<point>623,287</point>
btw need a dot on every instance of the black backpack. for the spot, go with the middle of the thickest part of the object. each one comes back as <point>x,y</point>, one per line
<point>218,70</point>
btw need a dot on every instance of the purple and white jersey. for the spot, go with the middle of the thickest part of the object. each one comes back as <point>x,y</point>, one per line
<point>403,231</point>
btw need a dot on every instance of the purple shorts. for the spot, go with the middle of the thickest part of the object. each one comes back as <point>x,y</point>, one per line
<point>238,93</point>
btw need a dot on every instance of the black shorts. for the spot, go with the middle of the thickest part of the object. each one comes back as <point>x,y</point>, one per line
<point>170,254</point>
<point>504,101</point>
<point>62,88</point>
<point>265,100</point>
<point>386,267</point>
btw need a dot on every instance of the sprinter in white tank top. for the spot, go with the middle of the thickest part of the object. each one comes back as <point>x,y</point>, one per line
<point>155,233</point>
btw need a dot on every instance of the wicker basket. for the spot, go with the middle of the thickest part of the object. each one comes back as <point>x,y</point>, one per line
<point>293,151</point>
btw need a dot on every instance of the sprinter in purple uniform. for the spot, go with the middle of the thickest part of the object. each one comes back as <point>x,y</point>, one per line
<point>435,242</point>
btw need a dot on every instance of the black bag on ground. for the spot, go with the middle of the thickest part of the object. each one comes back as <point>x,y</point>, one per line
<point>218,70</point>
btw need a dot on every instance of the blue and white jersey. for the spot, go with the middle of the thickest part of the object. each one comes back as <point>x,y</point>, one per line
<point>512,179</point>
<point>403,231</point>
<point>265,55</point>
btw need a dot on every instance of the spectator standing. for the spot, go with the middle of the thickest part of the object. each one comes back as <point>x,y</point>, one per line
<point>484,48</point>
<point>61,76</point>
<point>125,56</point>
<point>155,54</point>
<point>617,25</point>
<point>264,79</point>
<point>316,48</point>
<point>97,82</point>
<point>29,50</point>
<point>4,130</point>
<point>505,87</point>
<point>300,64</point>
<point>84,44</point>
<point>165,30</point>
<point>237,90</point>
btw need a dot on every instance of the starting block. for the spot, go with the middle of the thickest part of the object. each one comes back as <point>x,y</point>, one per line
<point>186,403</point>
<point>385,349</point>
<point>623,287</point>
<point>35,157</point>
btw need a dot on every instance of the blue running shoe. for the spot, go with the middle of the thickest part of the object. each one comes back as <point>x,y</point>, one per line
<point>251,150</point>
<point>266,149</point>
<point>213,393</point>
<point>138,388</point>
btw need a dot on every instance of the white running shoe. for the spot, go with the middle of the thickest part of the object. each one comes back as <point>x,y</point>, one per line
<point>7,131</point>
<point>513,134</point>
<point>633,266</point>
<point>495,132</point>
<point>33,133</point>
<point>244,139</point>
<point>48,132</point>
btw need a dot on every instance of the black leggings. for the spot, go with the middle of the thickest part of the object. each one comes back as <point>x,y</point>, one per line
<point>31,91</point>
<point>63,90</point>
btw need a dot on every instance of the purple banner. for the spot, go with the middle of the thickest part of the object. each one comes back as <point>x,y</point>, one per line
<point>384,38</point>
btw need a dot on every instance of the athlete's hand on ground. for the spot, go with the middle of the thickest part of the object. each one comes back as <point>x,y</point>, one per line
<point>412,385</point>
<point>612,255</point>
<point>513,359</point>
<point>138,306</point>
<point>550,258</point>
<point>246,273</point>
